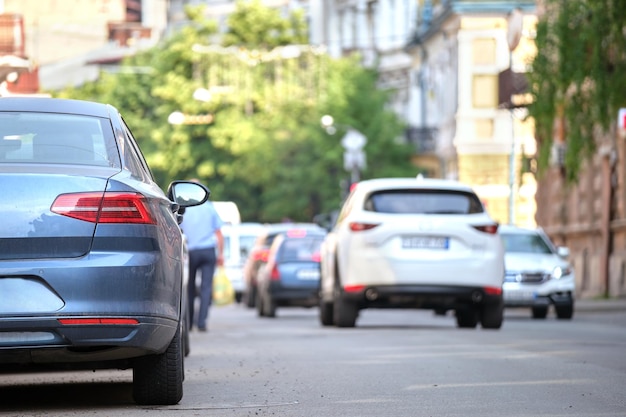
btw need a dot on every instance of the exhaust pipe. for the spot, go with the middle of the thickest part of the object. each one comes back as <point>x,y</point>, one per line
<point>371,294</point>
<point>477,297</point>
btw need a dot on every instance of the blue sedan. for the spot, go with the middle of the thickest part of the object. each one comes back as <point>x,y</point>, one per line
<point>291,276</point>
<point>92,259</point>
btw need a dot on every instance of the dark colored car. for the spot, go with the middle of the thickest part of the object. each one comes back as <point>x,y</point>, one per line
<point>291,276</point>
<point>259,252</point>
<point>92,259</point>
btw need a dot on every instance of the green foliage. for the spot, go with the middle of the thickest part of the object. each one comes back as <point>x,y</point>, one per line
<point>578,76</point>
<point>256,26</point>
<point>265,148</point>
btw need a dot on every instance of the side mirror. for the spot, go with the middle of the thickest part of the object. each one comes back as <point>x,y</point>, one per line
<point>188,193</point>
<point>562,251</point>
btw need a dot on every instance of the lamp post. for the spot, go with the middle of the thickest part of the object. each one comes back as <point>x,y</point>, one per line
<point>514,33</point>
<point>354,160</point>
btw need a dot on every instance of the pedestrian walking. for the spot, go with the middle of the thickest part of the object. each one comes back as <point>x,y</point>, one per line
<point>202,227</point>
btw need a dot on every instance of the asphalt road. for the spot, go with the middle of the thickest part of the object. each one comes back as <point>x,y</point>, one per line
<point>395,363</point>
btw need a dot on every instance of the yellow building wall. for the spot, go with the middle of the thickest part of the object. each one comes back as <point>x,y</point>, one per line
<point>489,175</point>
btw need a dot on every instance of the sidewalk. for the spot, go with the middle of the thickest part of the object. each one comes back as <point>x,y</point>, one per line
<point>611,304</point>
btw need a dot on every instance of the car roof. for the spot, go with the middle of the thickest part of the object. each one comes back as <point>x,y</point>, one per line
<point>378,184</point>
<point>55,105</point>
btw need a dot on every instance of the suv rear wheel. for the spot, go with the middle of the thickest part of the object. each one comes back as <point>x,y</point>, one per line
<point>345,312</point>
<point>466,317</point>
<point>492,315</point>
<point>326,313</point>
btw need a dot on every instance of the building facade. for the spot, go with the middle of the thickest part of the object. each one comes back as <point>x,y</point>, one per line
<point>443,60</point>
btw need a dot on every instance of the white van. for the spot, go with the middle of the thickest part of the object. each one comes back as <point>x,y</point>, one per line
<point>238,239</point>
<point>228,211</point>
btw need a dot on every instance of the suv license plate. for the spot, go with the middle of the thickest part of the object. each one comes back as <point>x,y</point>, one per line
<point>425,242</point>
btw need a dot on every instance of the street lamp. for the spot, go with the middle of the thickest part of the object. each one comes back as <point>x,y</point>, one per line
<point>353,143</point>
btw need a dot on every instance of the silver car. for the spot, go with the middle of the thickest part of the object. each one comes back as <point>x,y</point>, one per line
<point>538,274</point>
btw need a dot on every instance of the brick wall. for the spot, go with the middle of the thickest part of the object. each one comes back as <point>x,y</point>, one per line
<point>574,216</point>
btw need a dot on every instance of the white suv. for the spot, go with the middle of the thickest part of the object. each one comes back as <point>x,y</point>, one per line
<point>413,243</point>
<point>538,274</point>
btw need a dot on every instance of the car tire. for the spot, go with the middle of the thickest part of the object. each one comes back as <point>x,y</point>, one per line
<point>186,331</point>
<point>158,379</point>
<point>540,312</point>
<point>565,311</point>
<point>238,297</point>
<point>492,315</point>
<point>467,317</point>
<point>269,306</point>
<point>259,304</point>
<point>326,313</point>
<point>345,312</point>
<point>251,297</point>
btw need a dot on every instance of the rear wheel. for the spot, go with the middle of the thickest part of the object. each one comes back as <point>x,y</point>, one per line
<point>259,305</point>
<point>492,315</point>
<point>251,297</point>
<point>158,379</point>
<point>345,312</point>
<point>186,329</point>
<point>540,312</point>
<point>269,306</point>
<point>467,317</point>
<point>326,313</point>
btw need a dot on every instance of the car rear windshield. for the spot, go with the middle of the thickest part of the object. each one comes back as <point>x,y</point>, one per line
<point>300,249</point>
<point>525,243</point>
<point>50,138</point>
<point>423,202</point>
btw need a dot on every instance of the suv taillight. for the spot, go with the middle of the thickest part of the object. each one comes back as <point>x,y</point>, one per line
<point>108,207</point>
<point>359,227</point>
<point>492,229</point>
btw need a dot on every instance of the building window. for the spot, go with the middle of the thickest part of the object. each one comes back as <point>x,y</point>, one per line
<point>485,91</point>
<point>484,51</point>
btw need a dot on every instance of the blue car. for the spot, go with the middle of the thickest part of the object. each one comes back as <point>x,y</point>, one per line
<point>92,259</point>
<point>291,276</point>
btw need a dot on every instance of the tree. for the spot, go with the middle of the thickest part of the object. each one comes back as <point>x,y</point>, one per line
<point>578,77</point>
<point>265,148</point>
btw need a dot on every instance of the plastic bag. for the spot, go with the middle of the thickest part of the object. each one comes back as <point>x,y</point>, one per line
<point>223,291</point>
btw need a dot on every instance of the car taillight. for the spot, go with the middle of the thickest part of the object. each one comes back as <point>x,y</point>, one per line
<point>275,274</point>
<point>493,290</point>
<point>353,288</point>
<point>108,207</point>
<point>359,227</point>
<point>492,229</point>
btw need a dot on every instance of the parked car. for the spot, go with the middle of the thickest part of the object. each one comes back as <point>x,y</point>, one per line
<point>538,274</point>
<point>291,275</point>
<point>93,261</point>
<point>259,252</point>
<point>238,240</point>
<point>413,243</point>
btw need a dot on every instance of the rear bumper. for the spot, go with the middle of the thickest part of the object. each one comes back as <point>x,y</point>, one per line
<point>46,341</point>
<point>144,286</point>
<point>286,296</point>
<point>421,296</point>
